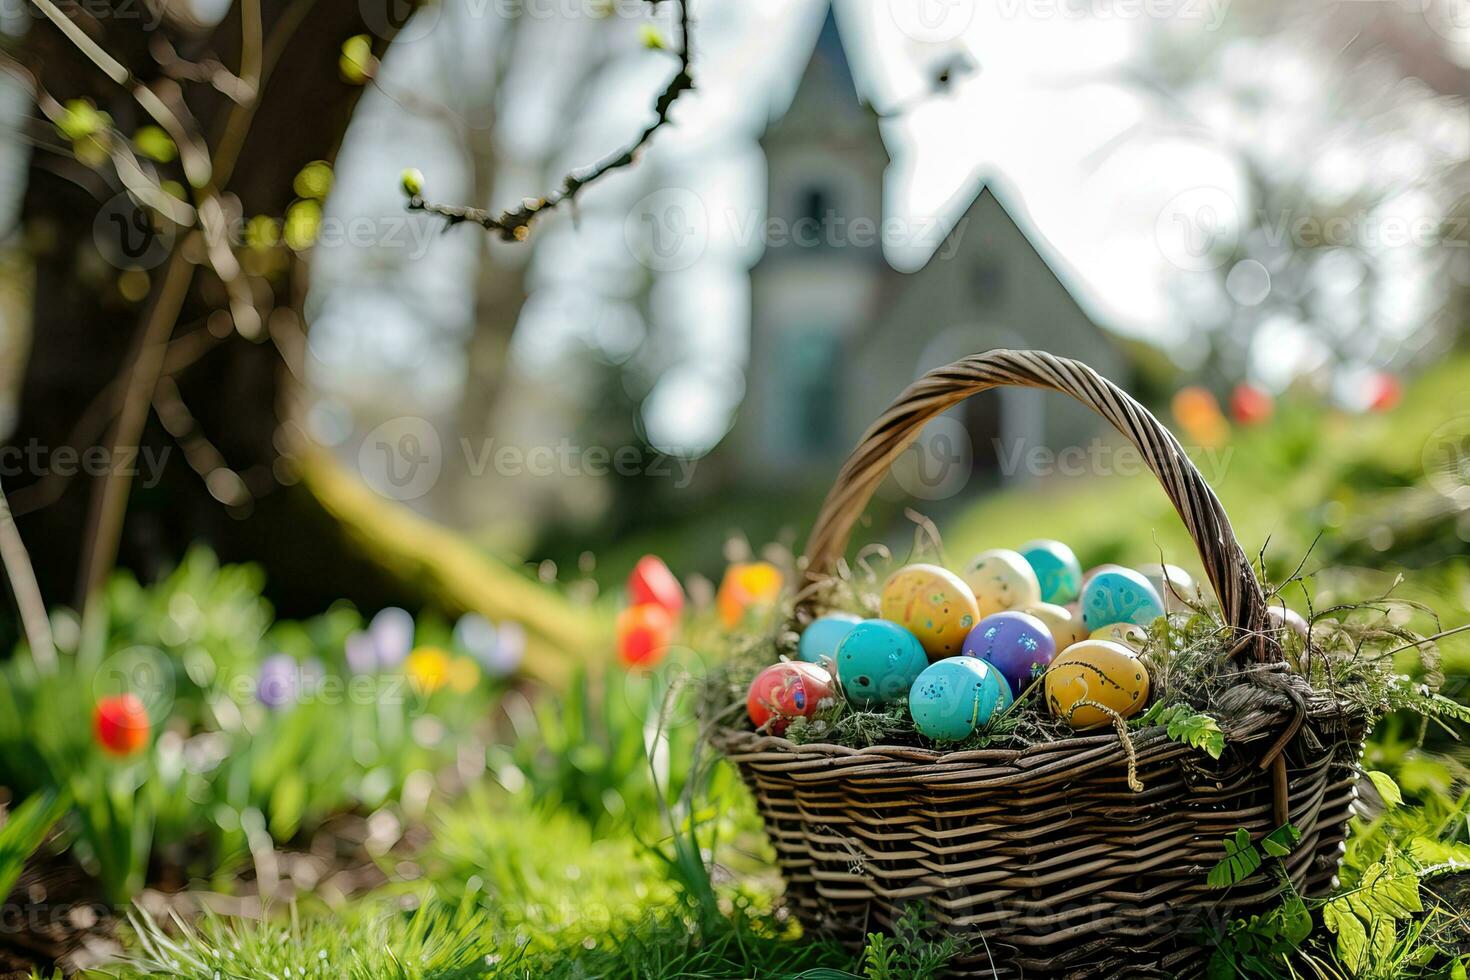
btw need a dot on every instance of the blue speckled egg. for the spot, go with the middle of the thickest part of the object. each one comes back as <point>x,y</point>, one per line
<point>819,640</point>
<point>1120,595</point>
<point>877,661</point>
<point>1014,643</point>
<point>955,696</point>
<point>1057,570</point>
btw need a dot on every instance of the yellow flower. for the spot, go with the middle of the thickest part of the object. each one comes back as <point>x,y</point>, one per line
<point>464,674</point>
<point>428,668</point>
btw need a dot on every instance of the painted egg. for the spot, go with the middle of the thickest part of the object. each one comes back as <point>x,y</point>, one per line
<point>1096,671</point>
<point>1064,622</point>
<point>1001,579</point>
<point>1092,572</point>
<point>784,692</point>
<point>1057,570</point>
<point>819,640</point>
<point>1281,617</point>
<point>1175,586</point>
<point>932,603</point>
<point>877,662</point>
<point>651,581</point>
<point>1014,643</point>
<point>1120,596</point>
<point>1128,634</point>
<point>955,696</point>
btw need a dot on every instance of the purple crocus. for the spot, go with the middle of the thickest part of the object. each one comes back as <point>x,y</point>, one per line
<point>392,633</point>
<point>361,652</point>
<point>279,681</point>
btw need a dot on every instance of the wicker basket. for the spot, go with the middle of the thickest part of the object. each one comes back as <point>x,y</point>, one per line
<point>1043,857</point>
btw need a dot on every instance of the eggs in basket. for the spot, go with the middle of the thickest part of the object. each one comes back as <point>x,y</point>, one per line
<point>960,649</point>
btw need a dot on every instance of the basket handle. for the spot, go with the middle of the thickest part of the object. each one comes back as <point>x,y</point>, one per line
<point>1229,570</point>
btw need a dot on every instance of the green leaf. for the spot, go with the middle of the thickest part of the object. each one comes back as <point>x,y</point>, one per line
<point>1184,724</point>
<point>1240,862</point>
<point>24,830</point>
<point>1426,851</point>
<point>356,61</point>
<point>1387,788</point>
<point>1280,842</point>
<point>1352,937</point>
<point>155,144</point>
<point>1365,918</point>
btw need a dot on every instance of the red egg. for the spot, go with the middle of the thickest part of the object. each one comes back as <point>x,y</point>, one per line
<point>644,634</point>
<point>651,581</point>
<point>120,723</point>
<point>786,691</point>
<point>1250,405</point>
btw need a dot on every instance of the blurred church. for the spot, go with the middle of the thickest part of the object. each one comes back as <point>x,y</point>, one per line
<point>837,332</point>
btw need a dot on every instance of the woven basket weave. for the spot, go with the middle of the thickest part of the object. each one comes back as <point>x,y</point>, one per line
<point>1043,857</point>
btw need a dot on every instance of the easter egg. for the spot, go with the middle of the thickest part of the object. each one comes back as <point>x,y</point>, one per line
<point>877,662</point>
<point>819,640</point>
<point>1120,596</point>
<point>644,633</point>
<point>932,603</point>
<point>1014,643</point>
<point>747,585</point>
<point>1098,671</point>
<point>955,696</point>
<point>786,691</point>
<point>1001,579</point>
<point>1057,570</point>
<point>1128,634</point>
<point>651,581</point>
<point>1175,586</point>
<point>1093,572</point>
<point>1064,622</point>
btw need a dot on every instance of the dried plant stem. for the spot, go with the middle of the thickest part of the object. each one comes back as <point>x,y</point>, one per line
<point>27,591</point>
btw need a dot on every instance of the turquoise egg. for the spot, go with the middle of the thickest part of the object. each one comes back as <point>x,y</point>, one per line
<point>1120,595</point>
<point>877,661</point>
<point>1056,568</point>
<point>955,696</point>
<point>819,640</point>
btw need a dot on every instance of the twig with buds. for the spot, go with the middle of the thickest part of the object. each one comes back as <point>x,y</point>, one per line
<point>515,225</point>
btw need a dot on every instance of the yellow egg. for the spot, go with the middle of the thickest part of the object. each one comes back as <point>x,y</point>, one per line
<point>1065,627</point>
<point>1097,671</point>
<point>1130,635</point>
<point>932,603</point>
<point>1001,579</point>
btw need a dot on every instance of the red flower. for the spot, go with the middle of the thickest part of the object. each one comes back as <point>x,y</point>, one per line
<point>644,634</point>
<point>651,581</point>
<point>1250,405</point>
<point>120,723</point>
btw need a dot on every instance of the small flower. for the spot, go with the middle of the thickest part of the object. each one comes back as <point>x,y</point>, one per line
<point>120,724</point>
<point>464,675</point>
<point>392,632</point>
<point>428,668</point>
<point>412,181</point>
<point>280,681</point>
<point>510,649</point>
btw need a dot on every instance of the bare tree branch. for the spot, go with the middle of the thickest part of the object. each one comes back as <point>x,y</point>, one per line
<point>515,225</point>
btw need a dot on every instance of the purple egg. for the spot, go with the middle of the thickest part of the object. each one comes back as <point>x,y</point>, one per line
<point>1013,643</point>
